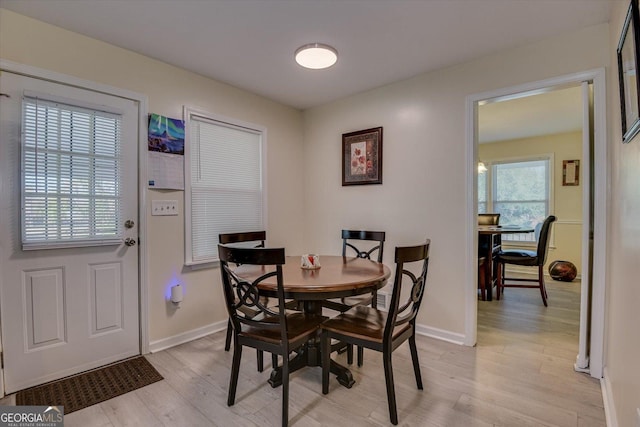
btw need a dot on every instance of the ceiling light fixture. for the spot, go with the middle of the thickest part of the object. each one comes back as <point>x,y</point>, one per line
<point>316,56</point>
<point>481,168</point>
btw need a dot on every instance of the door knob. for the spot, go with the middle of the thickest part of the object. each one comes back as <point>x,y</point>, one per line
<point>129,241</point>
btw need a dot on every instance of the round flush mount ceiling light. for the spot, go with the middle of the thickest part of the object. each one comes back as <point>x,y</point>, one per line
<point>316,56</point>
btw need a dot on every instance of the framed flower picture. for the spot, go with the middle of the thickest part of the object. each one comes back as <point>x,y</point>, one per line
<point>362,157</point>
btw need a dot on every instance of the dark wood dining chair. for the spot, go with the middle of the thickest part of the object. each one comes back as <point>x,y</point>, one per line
<point>349,248</point>
<point>527,258</point>
<point>254,239</point>
<point>252,236</point>
<point>384,331</point>
<point>488,218</point>
<point>483,245</point>
<point>274,330</point>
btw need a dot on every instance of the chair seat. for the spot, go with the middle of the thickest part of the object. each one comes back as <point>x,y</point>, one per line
<point>518,257</point>
<point>299,325</point>
<point>347,302</point>
<point>362,322</point>
<point>252,311</point>
<point>483,246</point>
<point>365,299</point>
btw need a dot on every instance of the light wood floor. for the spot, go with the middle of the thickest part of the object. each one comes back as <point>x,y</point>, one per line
<point>520,374</point>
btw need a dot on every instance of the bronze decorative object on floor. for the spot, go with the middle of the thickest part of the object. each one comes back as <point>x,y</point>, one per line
<point>83,390</point>
<point>563,271</point>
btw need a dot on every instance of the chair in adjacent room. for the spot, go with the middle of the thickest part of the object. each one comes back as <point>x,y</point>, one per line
<point>527,258</point>
<point>348,247</point>
<point>488,218</point>
<point>253,239</point>
<point>274,330</point>
<point>483,244</point>
<point>384,331</point>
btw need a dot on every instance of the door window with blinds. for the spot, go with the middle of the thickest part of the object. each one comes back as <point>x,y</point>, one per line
<point>223,182</point>
<point>71,175</point>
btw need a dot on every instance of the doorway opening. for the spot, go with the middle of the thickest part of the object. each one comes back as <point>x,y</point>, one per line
<point>583,206</point>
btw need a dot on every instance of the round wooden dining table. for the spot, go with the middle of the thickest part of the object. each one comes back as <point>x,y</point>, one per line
<point>337,277</point>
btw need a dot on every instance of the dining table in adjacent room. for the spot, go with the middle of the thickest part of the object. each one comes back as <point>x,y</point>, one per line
<point>336,277</point>
<point>490,232</point>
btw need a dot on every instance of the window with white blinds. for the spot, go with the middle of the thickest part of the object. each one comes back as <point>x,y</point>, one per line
<point>71,175</point>
<point>224,185</point>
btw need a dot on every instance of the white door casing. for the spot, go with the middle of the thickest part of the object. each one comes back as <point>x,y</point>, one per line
<point>596,325</point>
<point>582,359</point>
<point>64,310</point>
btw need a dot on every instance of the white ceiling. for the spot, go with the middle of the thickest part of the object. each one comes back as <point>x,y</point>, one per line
<point>250,43</point>
<point>548,113</point>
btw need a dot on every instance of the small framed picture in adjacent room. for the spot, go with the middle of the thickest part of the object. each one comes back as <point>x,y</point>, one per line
<point>571,172</point>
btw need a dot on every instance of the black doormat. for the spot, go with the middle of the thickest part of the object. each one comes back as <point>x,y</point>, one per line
<point>86,389</point>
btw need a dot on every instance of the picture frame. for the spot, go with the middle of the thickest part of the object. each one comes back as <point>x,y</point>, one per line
<point>570,172</point>
<point>627,54</point>
<point>362,157</point>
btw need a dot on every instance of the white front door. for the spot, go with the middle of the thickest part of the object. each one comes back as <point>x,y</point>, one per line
<point>69,283</point>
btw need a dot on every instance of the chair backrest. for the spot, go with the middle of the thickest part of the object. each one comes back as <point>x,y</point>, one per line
<point>407,312</point>
<point>373,236</point>
<point>542,235</point>
<point>251,236</point>
<point>241,294</point>
<point>488,219</point>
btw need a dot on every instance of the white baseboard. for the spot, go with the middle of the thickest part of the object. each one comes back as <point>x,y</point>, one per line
<point>607,398</point>
<point>528,271</point>
<point>187,336</point>
<point>165,343</point>
<point>440,334</point>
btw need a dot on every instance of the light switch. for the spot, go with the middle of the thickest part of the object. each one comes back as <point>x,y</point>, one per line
<point>164,207</point>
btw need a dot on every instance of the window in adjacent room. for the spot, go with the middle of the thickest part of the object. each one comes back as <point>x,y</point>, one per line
<point>482,192</point>
<point>520,190</point>
<point>224,186</point>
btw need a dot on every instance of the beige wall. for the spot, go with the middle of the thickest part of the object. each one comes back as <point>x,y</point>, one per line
<point>27,41</point>
<point>566,200</point>
<point>424,189</point>
<point>623,292</point>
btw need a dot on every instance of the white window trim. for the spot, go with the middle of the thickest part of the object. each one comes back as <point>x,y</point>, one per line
<point>489,188</point>
<point>188,113</point>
